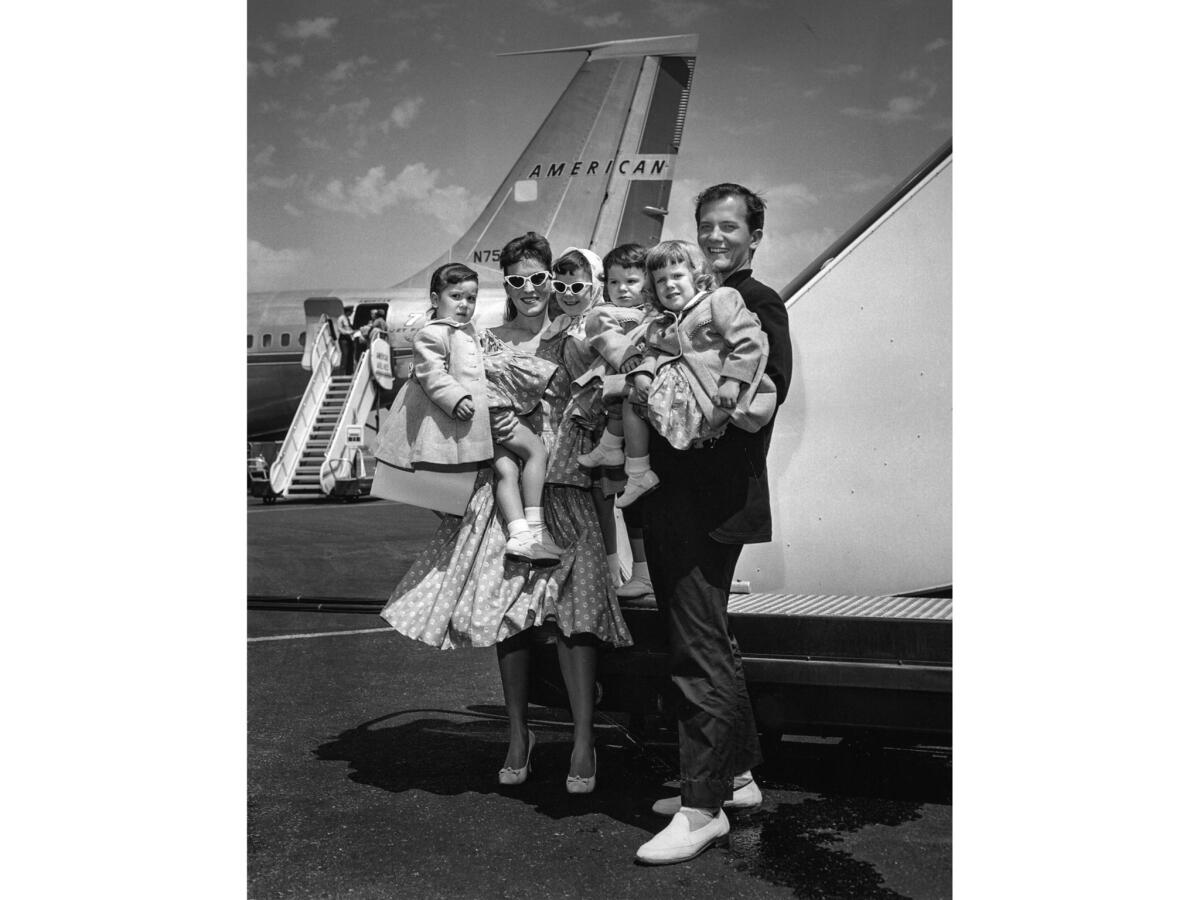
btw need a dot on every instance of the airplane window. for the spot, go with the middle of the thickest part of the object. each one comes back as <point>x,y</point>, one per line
<point>285,339</point>
<point>266,340</point>
<point>303,338</point>
<point>249,341</point>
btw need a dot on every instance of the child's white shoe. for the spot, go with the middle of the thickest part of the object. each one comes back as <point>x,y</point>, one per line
<point>525,547</point>
<point>636,586</point>
<point>636,486</point>
<point>545,542</point>
<point>602,456</point>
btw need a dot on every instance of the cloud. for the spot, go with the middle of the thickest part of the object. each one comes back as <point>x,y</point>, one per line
<point>899,109</point>
<point>866,184</point>
<point>681,13</point>
<point>936,44</point>
<point>793,193</point>
<point>311,143</point>
<point>293,211</point>
<point>812,92</point>
<point>403,113</point>
<point>346,69</point>
<point>272,269</point>
<point>612,20</point>
<point>411,13</point>
<point>401,67</point>
<point>275,67</point>
<point>373,193</point>
<point>273,183</point>
<point>847,70</point>
<point>264,156</point>
<point>321,28</point>
<point>909,74</point>
<point>904,108</point>
<point>354,112</point>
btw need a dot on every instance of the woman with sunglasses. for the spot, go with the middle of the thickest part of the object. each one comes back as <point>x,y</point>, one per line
<point>462,592</point>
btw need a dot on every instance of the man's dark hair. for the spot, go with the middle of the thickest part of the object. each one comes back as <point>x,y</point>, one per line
<point>756,207</point>
<point>627,256</point>
<point>530,245</point>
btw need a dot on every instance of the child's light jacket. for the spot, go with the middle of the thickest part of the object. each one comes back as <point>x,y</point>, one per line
<point>715,336</point>
<point>447,366</point>
<point>614,333</point>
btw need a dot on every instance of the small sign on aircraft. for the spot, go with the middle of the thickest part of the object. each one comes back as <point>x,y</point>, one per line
<point>381,363</point>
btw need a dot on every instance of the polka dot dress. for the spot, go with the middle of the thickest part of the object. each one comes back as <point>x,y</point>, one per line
<point>463,592</point>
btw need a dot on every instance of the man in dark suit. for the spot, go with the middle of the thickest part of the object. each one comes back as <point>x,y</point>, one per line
<point>710,502</point>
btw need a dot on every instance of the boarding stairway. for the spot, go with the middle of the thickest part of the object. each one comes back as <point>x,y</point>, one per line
<point>318,451</point>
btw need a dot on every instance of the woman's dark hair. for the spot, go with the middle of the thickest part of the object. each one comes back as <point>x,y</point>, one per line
<point>755,205</point>
<point>627,256</point>
<point>450,273</point>
<point>530,245</point>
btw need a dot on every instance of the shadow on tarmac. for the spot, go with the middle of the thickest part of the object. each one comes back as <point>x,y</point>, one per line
<point>446,757</point>
<point>808,845</point>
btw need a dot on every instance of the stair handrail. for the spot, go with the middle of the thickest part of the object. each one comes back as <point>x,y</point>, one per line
<point>324,348</point>
<point>360,400</point>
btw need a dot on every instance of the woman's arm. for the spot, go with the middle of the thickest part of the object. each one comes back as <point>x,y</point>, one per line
<point>431,368</point>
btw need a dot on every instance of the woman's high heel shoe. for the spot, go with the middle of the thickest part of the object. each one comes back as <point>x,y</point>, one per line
<point>577,784</point>
<point>510,776</point>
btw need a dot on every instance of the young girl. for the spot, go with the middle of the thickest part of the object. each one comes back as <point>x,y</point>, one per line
<point>704,364</point>
<point>441,414</point>
<point>578,285</point>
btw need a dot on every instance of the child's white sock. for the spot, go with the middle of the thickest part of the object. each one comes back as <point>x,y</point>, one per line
<point>517,526</point>
<point>637,465</point>
<point>533,514</point>
<point>641,570</point>
<point>614,567</point>
<point>612,441</point>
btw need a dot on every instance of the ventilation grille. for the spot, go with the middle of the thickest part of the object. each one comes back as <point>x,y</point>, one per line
<point>937,608</point>
<point>677,137</point>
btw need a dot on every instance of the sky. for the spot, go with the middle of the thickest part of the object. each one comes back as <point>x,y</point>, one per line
<point>378,130</point>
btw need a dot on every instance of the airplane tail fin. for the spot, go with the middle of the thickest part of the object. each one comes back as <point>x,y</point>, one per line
<point>598,172</point>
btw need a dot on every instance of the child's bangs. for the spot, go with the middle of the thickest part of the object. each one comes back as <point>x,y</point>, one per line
<point>668,256</point>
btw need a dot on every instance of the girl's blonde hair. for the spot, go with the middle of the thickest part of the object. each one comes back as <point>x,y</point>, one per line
<point>669,253</point>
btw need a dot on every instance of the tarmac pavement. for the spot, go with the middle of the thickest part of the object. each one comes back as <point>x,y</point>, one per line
<point>372,765</point>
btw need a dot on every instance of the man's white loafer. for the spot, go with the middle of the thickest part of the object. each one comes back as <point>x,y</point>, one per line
<point>677,843</point>
<point>748,796</point>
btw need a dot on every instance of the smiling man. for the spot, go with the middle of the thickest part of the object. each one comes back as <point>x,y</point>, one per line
<point>729,228</point>
<point>712,500</point>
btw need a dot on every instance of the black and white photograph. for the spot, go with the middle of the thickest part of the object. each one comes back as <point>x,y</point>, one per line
<point>625,389</point>
<point>599,449</point>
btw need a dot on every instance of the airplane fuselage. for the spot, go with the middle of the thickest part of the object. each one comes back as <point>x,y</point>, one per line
<point>276,333</point>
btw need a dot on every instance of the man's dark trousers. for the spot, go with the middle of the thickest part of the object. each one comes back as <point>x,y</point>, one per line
<point>692,574</point>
